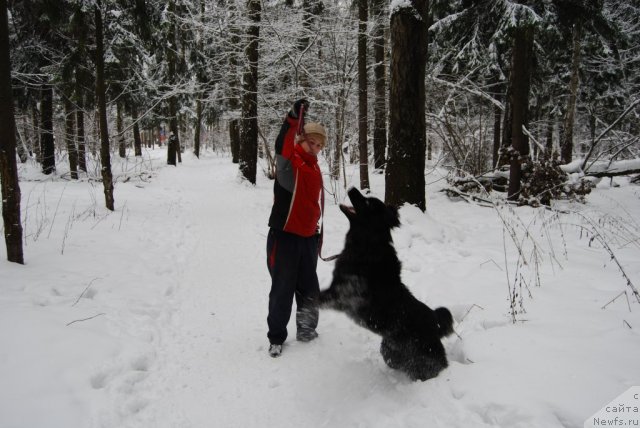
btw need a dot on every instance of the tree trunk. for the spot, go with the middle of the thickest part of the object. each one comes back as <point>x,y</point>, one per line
<point>82,77</point>
<point>339,140</point>
<point>183,130</point>
<point>520,82</point>
<point>22,147</point>
<point>497,121</point>
<point>234,140</point>
<point>234,83</point>
<point>35,120</point>
<point>592,126</point>
<point>82,150</point>
<point>202,81</point>
<point>363,118</point>
<point>308,13</point>
<point>405,182</point>
<point>172,149</point>
<point>47,146</point>
<point>173,145</point>
<point>548,145</point>
<point>173,124</point>
<point>144,134</point>
<point>137,141</point>
<point>379,72</point>
<point>8,166</point>
<point>122,146</point>
<point>248,160</point>
<point>507,120</point>
<point>566,147</point>
<point>105,155</point>
<point>196,134</point>
<point>69,136</point>
<point>173,142</point>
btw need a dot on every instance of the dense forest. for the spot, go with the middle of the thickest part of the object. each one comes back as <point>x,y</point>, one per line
<point>508,95</point>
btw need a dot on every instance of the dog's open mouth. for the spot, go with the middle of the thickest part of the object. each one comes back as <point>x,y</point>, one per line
<point>349,211</point>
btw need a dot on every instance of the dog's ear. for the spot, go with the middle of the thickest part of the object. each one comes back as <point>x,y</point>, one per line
<point>392,216</point>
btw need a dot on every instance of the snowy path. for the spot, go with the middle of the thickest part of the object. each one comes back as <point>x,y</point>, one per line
<point>212,367</point>
<point>213,347</point>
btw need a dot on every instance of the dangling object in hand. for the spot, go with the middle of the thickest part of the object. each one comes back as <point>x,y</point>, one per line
<point>300,130</point>
<point>296,110</point>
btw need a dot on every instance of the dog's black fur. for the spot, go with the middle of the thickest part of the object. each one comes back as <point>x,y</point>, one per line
<point>367,287</point>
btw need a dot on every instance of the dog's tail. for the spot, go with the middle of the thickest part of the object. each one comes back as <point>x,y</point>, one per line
<point>445,321</point>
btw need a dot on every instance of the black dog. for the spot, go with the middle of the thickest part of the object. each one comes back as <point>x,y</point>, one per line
<point>367,287</point>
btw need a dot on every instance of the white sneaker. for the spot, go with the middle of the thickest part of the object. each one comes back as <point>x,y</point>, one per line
<point>275,350</point>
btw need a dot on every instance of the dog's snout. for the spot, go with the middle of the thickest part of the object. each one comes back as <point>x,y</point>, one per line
<point>355,196</point>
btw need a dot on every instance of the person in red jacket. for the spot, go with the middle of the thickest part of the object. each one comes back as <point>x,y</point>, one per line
<point>292,243</point>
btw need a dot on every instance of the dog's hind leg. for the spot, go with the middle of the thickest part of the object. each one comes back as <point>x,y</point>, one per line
<point>425,369</point>
<point>424,364</point>
<point>445,321</point>
<point>391,355</point>
<point>328,299</point>
<point>418,361</point>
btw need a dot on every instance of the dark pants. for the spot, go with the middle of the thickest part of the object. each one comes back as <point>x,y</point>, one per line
<point>292,262</point>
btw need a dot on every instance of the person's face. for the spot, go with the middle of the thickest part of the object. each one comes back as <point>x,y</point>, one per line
<point>312,144</point>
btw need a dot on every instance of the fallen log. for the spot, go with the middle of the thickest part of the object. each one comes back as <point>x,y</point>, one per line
<point>604,168</point>
<point>614,173</point>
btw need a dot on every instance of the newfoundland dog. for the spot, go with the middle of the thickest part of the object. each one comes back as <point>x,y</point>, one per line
<point>367,286</point>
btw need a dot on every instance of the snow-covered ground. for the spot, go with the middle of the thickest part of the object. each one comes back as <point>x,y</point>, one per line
<point>155,315</point>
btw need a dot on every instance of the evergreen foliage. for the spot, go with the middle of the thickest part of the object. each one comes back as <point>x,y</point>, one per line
<point>180,65</point>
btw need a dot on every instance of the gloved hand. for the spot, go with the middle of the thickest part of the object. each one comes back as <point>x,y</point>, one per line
<point>295,110</point>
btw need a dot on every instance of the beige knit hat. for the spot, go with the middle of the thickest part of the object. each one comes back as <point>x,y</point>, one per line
<point>316,128</point>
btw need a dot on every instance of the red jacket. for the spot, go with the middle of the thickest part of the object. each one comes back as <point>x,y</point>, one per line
<point>298,185</point>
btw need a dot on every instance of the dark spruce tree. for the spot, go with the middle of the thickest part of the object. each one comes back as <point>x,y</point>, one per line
<point>47,144</point>
<point>519,82</point>
<point>405,182</point>
<point>249,132</point>
<point>363,121</point>
<point>83,75</point>
<point>468,55</point>
<point>173,146</point>
<point>233,82</point>
<point>379,71</point>
<point>577,18</point>
<point>101,96</point>
<point>8,166</point>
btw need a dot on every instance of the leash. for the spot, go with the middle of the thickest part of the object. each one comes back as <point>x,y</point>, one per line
<point>300,132</point>
<point>335,256</point>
